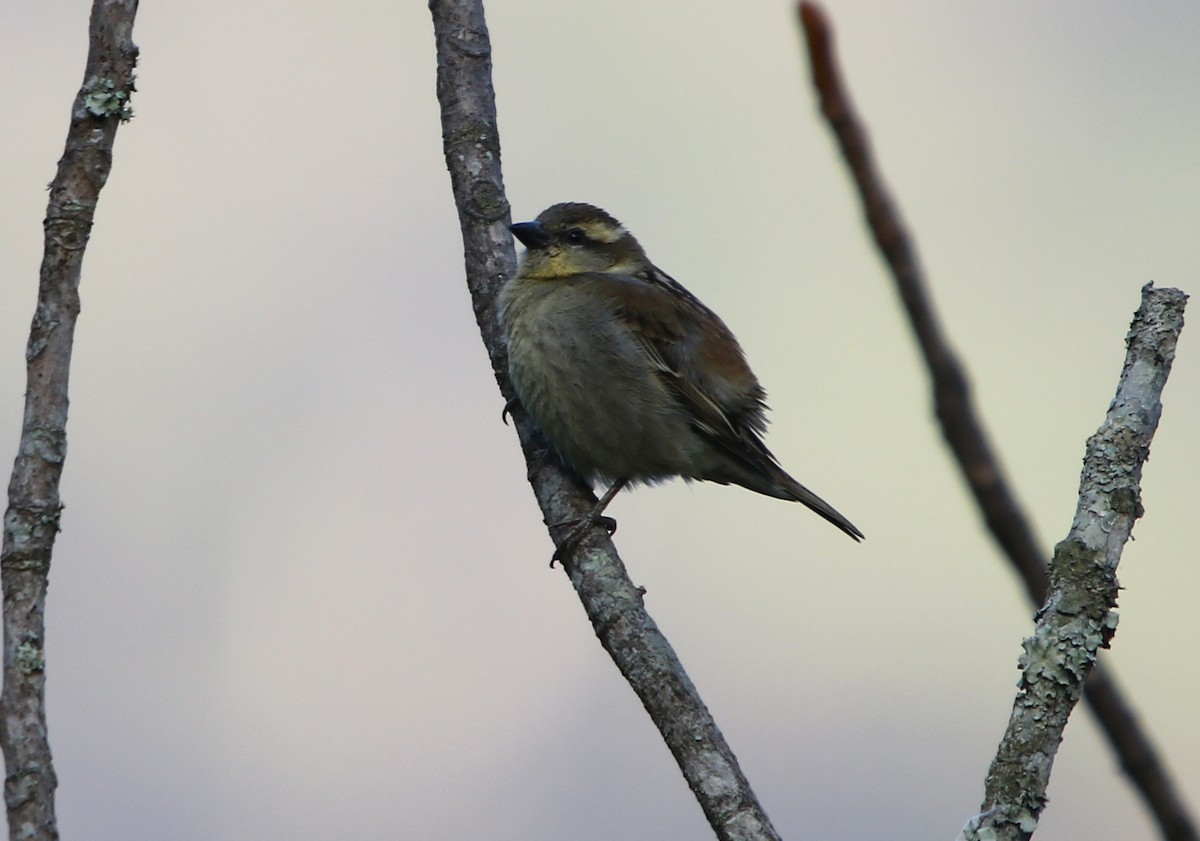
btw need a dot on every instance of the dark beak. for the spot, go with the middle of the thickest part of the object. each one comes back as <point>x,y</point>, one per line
<point>531,234</point>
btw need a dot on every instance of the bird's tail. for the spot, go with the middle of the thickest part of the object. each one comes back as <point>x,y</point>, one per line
<point>788,488</point>
<point>755,468</point>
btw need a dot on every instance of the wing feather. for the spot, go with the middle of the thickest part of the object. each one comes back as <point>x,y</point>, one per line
<point>697,357</point>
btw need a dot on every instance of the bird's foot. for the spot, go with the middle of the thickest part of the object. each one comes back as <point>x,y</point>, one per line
<point>579,528</point>
<point>509,405</point>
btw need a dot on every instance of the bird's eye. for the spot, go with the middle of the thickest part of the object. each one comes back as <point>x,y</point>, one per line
<point>575,236</point>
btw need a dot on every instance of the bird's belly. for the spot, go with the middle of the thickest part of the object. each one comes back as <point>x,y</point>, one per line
<point>600,402</point>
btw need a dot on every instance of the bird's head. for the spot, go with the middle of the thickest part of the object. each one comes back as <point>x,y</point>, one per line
<point>572,238</point>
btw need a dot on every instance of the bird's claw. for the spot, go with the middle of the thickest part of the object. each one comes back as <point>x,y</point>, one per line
<point>507,411</point>
<point>578,530</point>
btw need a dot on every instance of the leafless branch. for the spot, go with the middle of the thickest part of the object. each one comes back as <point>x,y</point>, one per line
<point>1079,616</point>
<point>964,431</point>
<point>613,603</point>
<point>32,519</point>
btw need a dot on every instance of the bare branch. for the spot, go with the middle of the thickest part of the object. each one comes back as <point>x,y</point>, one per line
<point>613,604</point>
<point>964,431</point>
<point>31,521</point>
<point>1079,616</point>
<point>951,389</point>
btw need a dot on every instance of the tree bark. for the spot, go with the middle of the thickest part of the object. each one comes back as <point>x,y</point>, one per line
<point>964,431</point>
<point>31,521</point>
<point>1079,616</point>
<point>612,602</point>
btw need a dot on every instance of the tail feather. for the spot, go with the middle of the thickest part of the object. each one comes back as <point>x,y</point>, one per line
<point>797,492</point>
<point>751,465</point>
<point>773,480</point>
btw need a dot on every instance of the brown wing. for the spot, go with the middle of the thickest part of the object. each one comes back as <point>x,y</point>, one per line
<point>698,358</point>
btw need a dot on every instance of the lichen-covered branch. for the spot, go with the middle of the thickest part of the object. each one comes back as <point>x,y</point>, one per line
<point>31,521</point>
<point>1079,616</point>
<point>964,431</point>
<point>613,604</point>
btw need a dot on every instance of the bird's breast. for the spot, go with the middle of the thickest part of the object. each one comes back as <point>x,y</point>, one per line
<point>584,378</point>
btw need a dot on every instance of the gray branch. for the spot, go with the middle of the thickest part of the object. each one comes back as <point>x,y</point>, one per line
<point>1079,616</point>
<point>31,521</point>
<point>613,604</point>
<point>964,432</point>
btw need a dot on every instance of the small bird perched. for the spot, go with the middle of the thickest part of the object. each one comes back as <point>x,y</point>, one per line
<point>630,377</point>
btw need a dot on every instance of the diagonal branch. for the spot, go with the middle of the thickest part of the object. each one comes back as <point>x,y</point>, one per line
<point>613,604</point>
<point>34,506</point>
<point>1079,616</point>
<point>951,389</point>
<point>964,431</point>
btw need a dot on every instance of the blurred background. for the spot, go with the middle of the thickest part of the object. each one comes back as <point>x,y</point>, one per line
<point>301,588</point>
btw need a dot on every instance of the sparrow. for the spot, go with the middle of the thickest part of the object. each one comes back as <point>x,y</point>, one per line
<point>631,378</point>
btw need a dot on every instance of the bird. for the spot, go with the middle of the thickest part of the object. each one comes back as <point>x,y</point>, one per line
<point>632,379</point>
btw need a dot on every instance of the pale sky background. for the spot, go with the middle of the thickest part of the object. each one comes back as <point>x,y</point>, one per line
<point>301,590</point>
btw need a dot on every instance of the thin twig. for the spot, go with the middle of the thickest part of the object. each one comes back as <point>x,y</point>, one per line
<point>613,604</point>
<point>951,389</point>
<point>1079,616</point>
<point>31,521</point>
<point>964,431</point>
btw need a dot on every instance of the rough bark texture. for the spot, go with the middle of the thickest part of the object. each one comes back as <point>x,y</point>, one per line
<point>32,519</point>
<point>964,431</point>
<point>1079,616</point>
<point>613,604</point>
